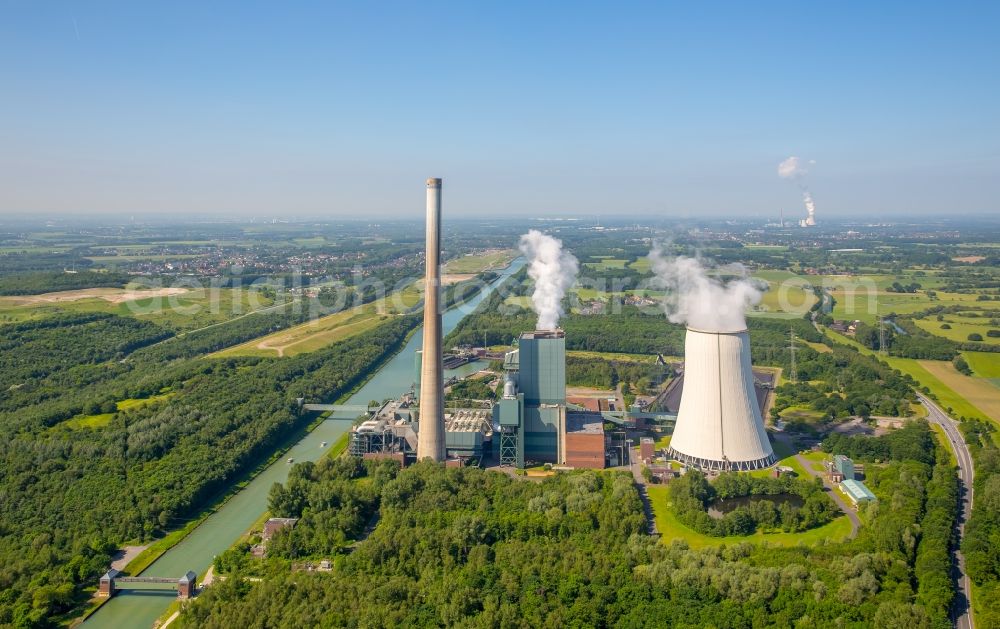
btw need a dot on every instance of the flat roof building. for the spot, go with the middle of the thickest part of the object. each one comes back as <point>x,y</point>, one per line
<point>585,443</point>
<point>857,491</point>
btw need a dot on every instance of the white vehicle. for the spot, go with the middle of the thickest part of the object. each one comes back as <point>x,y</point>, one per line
<point>322,445</point>
<point>291,460</point>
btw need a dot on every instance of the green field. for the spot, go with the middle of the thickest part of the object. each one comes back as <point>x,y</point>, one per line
<point>978,393</point>
<point>790,295</point>
<point>641,358</point>
<point>865,296</point>
<point>670,528</point>
<point>801,413</point>
<point>479,262</point>
<point>947,397</point>
<point>961,328</point>
<point>88,421</point>
<point>867,306</point>
<point>984,364</point>
<point>641,265</point>
<point>522,302</point>
<point>103,419</point>
<point>181,312</point>
<point>607,264</point>
<point>319,333</point>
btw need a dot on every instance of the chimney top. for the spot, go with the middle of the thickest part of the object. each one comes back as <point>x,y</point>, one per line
<point>434,182</point>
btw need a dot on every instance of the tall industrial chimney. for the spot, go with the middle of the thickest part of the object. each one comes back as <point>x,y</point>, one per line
<point>430,439</point>
<point>719,425</point>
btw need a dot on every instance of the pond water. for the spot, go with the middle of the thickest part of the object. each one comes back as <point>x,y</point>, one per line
<point>719,508</point>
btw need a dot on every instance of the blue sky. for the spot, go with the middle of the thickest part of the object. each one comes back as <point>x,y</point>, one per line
<point>342,109</point>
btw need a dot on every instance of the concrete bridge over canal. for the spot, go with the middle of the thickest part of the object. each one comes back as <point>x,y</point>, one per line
<point>113,581</point>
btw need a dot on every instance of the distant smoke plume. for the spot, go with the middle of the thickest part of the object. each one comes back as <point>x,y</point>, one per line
<point>553,271</point>
<point>792,168</point>
<point>700,301</point>
<point>810,206</point>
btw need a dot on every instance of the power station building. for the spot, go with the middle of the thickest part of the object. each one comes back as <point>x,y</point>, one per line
<point>719,424</point>
<point>533,406</point>
<point>531,421</point>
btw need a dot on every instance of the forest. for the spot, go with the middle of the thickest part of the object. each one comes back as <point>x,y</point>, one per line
<point>912,441</point>
<point>843,383</point>
<point>37,282</point>
<point>606,374</point>
<point>475,548</point>
<point>982,533</point>
<point>74,490</point>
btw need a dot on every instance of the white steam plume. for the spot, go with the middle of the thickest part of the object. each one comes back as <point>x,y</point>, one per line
<point>553,271</point>
<point>700,301</point>
<point>810,206</point>
<point>792,168</point>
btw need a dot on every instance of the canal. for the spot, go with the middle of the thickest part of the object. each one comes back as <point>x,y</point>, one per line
<point>139,609</point>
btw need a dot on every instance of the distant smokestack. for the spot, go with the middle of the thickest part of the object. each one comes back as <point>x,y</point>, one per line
<point>430,440</point>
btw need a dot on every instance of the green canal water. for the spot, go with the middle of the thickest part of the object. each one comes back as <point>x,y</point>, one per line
<point>138,609</point>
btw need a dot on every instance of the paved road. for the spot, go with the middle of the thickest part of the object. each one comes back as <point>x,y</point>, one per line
<point>961,610</point>
<point>851,514</point>
<point>640,484</point>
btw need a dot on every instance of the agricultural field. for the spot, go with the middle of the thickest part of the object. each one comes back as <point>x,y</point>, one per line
<point>984,364</point>
<point>479,262</point>
<point>947,396</point>
<point>324,331</point>
<point>866,296</point>
<point>179,309</point>
<point>960,326</point>
<point>979,393</point>
<point>606,264</point>
<point>866,305</point>
<point>641,265</point>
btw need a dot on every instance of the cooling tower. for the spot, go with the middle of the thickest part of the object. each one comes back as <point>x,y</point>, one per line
<point>719,426</point>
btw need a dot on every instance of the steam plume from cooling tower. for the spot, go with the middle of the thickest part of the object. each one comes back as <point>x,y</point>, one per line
<point>698,300</point>
<point>792,168</point>
<point>553,271</point>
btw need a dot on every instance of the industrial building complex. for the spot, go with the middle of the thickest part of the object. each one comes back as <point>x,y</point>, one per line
<point>719,423</point>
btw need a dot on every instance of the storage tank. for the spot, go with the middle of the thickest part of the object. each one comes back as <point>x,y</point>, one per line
<point>719,425</point>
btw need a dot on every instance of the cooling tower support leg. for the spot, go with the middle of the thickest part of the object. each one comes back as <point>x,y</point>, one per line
<point>722,466</point>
